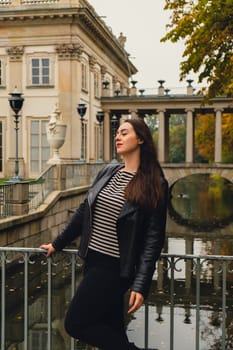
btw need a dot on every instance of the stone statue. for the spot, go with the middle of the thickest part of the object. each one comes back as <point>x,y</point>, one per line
<point>56,132</point>
<point>55,118</point>
<point>122,39</point>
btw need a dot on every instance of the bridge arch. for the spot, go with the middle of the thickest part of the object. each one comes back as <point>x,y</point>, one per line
<point>174,172</point>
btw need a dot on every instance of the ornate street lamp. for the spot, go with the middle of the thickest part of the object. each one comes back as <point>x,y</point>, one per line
<point>117,92</point>
<point>100,119</point>
<point>16,103</point>
<point>114,126</point>
<point>82,108</point>
<point>105,84</point>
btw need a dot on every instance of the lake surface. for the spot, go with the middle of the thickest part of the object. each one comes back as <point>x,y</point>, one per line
<point>200,221</point>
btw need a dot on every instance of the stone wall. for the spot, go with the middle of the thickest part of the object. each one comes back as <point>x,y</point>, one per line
<point>43,224</point>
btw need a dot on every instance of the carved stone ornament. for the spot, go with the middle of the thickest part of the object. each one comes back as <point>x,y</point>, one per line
<point>69,51</point>
<point>56,133</point>
<point>15,53</point>
<point>92,62</point>
<point>103,70</point>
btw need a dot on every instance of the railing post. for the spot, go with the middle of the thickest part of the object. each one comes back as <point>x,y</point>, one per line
<point>49,329</point>
<point>26,319</point>
<point>224,293</point>
<point>198,277</point>
<point>172,293</point>
<point>61,177</point>
<point>3,298</point>
<point>18,200</point>
<point>146,337</point>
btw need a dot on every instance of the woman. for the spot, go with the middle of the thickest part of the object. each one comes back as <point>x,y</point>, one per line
<point>122,229</point>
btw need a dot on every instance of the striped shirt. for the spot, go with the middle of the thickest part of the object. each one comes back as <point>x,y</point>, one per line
<point>108,205</point>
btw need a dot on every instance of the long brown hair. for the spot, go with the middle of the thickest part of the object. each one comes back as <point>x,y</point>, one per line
<point>145,188</point>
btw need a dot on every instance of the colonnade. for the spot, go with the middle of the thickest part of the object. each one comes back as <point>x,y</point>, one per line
<point>163,127</point>
<point>163,141</point>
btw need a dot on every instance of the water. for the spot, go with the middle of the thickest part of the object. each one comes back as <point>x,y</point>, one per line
<point>200,221</point>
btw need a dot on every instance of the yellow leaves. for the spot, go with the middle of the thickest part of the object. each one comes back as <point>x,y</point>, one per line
<point>207,29</point>
<point>205,136</point>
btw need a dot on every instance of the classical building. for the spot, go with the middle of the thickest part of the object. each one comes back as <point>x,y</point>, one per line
<point>58,54</point>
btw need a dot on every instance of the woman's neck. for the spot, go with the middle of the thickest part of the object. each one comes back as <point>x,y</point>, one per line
<point>131,164</point>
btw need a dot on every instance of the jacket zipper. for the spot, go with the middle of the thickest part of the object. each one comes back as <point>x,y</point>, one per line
<point>90,212</point>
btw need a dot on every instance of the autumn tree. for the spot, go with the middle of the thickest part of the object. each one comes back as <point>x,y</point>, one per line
<point>205,137</point>
<point>227,138</point>
<point>206,26</point>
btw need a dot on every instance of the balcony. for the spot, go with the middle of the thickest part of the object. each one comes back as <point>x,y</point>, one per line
<point>189,306</point>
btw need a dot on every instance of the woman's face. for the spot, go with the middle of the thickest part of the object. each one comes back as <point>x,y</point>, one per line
<point>127,141</point>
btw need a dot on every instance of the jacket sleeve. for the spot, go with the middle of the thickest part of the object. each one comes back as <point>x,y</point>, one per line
<point>154,237</point>
<point>73,229</point>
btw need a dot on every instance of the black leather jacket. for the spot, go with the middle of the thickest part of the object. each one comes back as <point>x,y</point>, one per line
<point>140,233</point>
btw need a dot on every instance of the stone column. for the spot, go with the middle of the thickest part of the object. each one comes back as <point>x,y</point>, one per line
<point>69,87</point>
<point>107,136</point>
<point>189,136</point>
<point>163,139</point>
<point>134,113</point>
<point>90,144</point>
<point>218,136</point>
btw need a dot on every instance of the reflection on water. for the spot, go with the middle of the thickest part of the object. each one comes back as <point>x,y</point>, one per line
<point>199,222</point>
<point>202,201</point>
<point>184,329</point>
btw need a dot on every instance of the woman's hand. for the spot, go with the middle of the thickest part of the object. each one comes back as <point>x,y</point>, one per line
<point>135,301</point>
<point>49,247</point>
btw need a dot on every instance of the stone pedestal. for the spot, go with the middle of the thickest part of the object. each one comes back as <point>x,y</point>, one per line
<point>17,198</point>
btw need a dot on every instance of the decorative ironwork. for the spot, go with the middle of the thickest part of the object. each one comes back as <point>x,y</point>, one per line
<point>174,273</point>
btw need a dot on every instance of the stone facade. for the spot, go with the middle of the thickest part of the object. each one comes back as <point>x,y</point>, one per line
<point>56,53</point>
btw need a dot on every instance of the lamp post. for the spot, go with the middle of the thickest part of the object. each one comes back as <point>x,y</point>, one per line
<point>100,119</point>
<point>114,125</point>
<point>16,103</point>
<point>82,108</point>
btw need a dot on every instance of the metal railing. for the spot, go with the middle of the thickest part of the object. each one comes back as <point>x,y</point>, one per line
<point>194,283</point>
<point>41,187</point>
<point>55,178</point>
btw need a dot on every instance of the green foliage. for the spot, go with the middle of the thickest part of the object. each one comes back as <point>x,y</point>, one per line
<point>152,122</point>
<point>206,26</point>
<point>177,143</point>
<point>205,137</point>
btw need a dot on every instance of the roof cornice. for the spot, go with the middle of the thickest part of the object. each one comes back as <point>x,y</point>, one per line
<point>90,22</point>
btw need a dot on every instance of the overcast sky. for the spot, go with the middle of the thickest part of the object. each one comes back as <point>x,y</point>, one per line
<point>144,24</point>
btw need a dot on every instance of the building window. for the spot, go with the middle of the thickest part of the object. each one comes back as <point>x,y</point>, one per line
<point>39,146</point>
<point>97,84</point>
<point>1,150</point>
<point>40,71</point>
<point>84,77</point>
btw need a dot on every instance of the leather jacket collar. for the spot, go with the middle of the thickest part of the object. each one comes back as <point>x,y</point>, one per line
<point>105,177</point>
